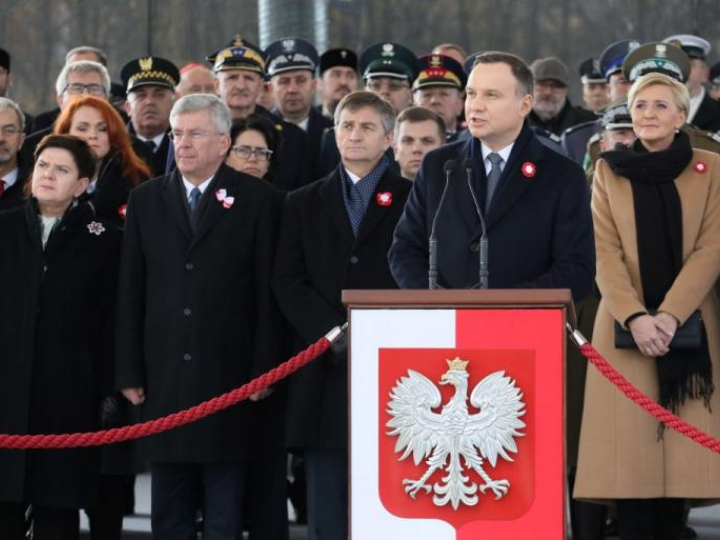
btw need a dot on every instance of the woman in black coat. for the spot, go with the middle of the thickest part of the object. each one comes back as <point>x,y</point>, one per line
<point>118,169</point>
<point>58,264</point>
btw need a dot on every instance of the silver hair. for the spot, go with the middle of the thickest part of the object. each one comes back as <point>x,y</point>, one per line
<point>219,112</point>
<point>6,104</point>
<point>84,49</point>
<point>359,99</point>
<point>83,66</point>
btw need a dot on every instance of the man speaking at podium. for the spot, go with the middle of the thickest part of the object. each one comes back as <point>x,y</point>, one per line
<point>533,201</point>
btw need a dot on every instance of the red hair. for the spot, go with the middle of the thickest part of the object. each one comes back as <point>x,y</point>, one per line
<point>134,169</point>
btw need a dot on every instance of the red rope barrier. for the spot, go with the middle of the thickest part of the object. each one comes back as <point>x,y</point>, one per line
<point>642,399</point>
<point>180,418</point>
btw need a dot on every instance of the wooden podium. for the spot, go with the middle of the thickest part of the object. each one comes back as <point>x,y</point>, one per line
<point>457,414</point>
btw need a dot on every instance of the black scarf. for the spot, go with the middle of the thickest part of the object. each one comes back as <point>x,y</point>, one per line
<point>658,217</point>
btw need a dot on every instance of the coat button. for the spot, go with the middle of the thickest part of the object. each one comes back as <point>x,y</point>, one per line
<point>187,311</point>
<point>354,260</point>
<point>187,357</point>
<point>189,266</point>
<point>474,248</point>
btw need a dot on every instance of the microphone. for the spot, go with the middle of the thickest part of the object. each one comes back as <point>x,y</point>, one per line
<point>448,168</point>
<point>483,248</point>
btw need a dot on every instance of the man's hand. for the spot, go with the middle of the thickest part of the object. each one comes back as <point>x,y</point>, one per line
<point>136,396</point>
<point>652,341</point>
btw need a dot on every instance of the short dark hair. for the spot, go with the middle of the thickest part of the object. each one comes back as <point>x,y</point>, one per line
<point>271,134</point>
<point>355,101</point>
<point>519,68</point>
<point>78,148</point>
<point>421,114</point>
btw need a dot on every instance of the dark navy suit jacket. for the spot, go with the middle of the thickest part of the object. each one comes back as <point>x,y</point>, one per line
<point>540,231</point>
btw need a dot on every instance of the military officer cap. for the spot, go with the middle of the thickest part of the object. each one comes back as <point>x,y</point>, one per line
<point>238,53</point>
<point>338,58</point>
<point>150,70</point>
<point>470,61</point>
<point>657,57</point>
<point>715,74</point>
<point>694,46</point>
<point>611,59</point>
<point>4,59</point>
<point>290,54</point>
<point>616,115</point>
<point>590,72</point>
<point>389,60</point>
<point>439,70</point>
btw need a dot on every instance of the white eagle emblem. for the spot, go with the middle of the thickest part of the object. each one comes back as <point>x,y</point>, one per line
<point>454,433</point>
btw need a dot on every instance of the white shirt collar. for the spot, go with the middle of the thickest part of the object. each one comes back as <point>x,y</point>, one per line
<point>10,178</point>
<point>158,140</point>
<point>189,186</point>
<point>353,177</point>
<point>695,104</point>
<point>503,152</point>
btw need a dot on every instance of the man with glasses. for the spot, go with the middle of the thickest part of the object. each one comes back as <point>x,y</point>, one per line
<point>12,172</point>
<point>552,109</point>
<point>196,318</point>
<point>150,84</point>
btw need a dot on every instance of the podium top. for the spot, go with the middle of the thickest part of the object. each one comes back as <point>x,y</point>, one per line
<point>459,298</point>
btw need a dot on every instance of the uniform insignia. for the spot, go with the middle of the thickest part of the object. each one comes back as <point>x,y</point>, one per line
<point>435,61</point>
<point>384,198</point>
<point>146,63</point>
<point>388,49</point>
<point>632,46</point>
<point>122,211</point>
<point>700,167</point>
<point>454,440</point>
<point>528,169</point>
<point>96,228</point>
<point>343,54</point>
<point>288,45</point>
<point>661,50</point>
<point>238,41</point>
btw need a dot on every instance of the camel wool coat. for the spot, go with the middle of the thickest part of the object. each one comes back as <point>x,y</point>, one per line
<point>620,454</point>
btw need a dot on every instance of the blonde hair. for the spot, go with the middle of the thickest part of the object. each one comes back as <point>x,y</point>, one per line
<point>681,97</point>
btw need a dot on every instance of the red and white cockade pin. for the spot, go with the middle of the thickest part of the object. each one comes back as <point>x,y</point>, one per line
<point>528,169</point>
<point>700,166</point>
<point>384,198</point>
<point>96,228</point>
<point>222,196</point>
<point>122,211</point>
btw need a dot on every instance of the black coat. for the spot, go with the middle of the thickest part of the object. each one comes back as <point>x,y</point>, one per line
<point>55,349</point>
<point>196,317</point>
<point>540,232</point>
<point>317,258</point>
<point>707,116</point>
<point>158,159</point>
<point>15,194</point>
<point>568,116</point>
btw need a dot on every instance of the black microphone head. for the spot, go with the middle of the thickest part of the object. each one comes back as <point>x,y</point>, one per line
<point>449,166</point>
<point>467,163</point>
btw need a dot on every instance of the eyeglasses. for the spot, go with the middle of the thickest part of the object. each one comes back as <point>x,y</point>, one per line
<point>376,85</point>
<point>194,135</point>
<point>244,152</point>
<point>9,131</point>
<point>77,89</point>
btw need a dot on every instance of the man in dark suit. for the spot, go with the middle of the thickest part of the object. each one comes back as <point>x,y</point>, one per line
<point>535,201</point>
<point>13,173</point>
<point>335,235</point>
<point>196,318</point>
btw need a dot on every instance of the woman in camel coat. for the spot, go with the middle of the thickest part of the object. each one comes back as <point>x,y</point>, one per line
<point>656,212</point>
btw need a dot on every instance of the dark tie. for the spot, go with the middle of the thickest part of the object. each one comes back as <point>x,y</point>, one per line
<point>2,187</point>
<point>194,198</point>
<point>355,208</point>
<point>151,145</point>
<point>493,177</point>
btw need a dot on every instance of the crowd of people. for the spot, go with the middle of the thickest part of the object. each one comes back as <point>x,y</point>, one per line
<point>172,236</point>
